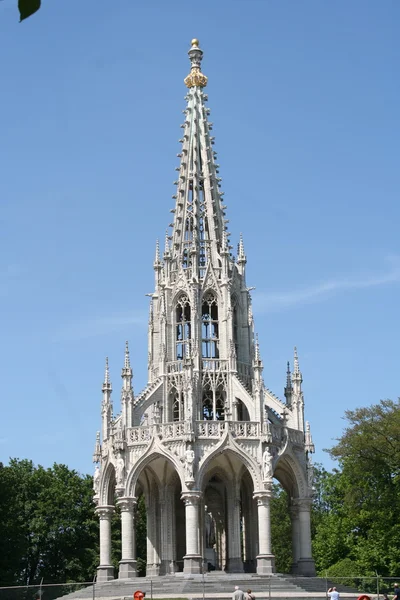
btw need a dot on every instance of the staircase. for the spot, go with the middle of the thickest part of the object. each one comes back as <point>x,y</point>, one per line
<point>215,585</point>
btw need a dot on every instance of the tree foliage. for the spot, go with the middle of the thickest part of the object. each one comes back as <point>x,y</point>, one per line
<point>281,529</point>
<point>357,514</point>
<point>47,524</point>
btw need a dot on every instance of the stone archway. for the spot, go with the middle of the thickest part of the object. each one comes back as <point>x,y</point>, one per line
<point>227,509</point>
<point>160,485</point>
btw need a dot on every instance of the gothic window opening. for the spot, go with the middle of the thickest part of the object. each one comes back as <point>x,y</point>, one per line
<point>219,405</point>
<point>189,229</point>
<point>213,404</point>
<point>208,413</point>
<point>183,327</point>
<point>177,406</point>
<point>210,327</point>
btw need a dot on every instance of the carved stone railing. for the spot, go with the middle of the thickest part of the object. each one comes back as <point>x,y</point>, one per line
<point>245,429</point>
<point>175,430</point>
<point>210,429</point>
<point>296,437</point>
<point>175,366</point>
<point>214,364</point>
<point>213,430</point>
<point>139,435</point>
<point>239,429</point>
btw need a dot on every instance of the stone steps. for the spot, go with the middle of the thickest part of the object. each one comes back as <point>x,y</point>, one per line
<point>215,584</point>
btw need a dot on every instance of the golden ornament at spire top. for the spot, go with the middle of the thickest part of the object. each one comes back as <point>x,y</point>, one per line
<point>195,77</point>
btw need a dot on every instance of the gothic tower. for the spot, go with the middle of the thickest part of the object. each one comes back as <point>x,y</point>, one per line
<point>202,442</point>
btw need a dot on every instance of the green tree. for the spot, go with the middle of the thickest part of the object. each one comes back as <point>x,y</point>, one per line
<point>47,524</point>
<point>356,510</point>
<point>369,455</point>
<point>281,530</point>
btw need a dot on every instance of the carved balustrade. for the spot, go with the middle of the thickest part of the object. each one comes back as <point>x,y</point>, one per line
<point>214,364</point>
<point>212,429</point>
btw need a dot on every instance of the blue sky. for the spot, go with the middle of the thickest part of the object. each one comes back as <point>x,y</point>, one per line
<point>304,98</point>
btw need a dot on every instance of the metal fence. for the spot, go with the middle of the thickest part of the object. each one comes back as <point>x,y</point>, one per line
<point>49,591</point>
<point>375,586</point>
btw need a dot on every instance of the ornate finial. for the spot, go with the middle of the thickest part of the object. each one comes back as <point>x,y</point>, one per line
<point>127,363</point>
<point>195,77</point>
<point>106,373</point>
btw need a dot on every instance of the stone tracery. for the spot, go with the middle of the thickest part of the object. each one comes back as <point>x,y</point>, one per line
<point>204,439</point>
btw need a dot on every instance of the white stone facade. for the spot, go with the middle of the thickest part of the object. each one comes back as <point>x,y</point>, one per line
<point>204,439</point>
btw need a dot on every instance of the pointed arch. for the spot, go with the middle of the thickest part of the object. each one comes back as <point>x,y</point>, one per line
<point>183,325</point>
<point>228,445</point>
<point>153,452</point>
<point>290,474</point>
<point>209,325</point>
<point>107,485</point>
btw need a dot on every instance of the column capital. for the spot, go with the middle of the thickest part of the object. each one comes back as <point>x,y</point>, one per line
<point>192,497</point>
<point>302,504</point>
<point>263,497</point>
<point>105,512</point>
<point>127,504</point>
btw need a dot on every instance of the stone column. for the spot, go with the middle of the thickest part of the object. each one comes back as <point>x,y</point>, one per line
<point>192,559</point>
<point>265,558</point>
<point>127,564</point>
<point>153,528</point>
<point>306,565</point>
<point>105,571</point>
<point>235,563</point>
<point>294,516</point>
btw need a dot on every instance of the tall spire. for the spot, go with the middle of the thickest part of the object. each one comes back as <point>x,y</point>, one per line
<point>198,215</point>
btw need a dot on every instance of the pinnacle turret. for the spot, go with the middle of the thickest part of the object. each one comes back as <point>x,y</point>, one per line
<point>309,444</point>
<point>107,382</point>
<point>241,255</point>
<point>97,449</point>
<point>288,388</point>
<point>157,258</point>
<point>296,369</point>
<point>166,245</point>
